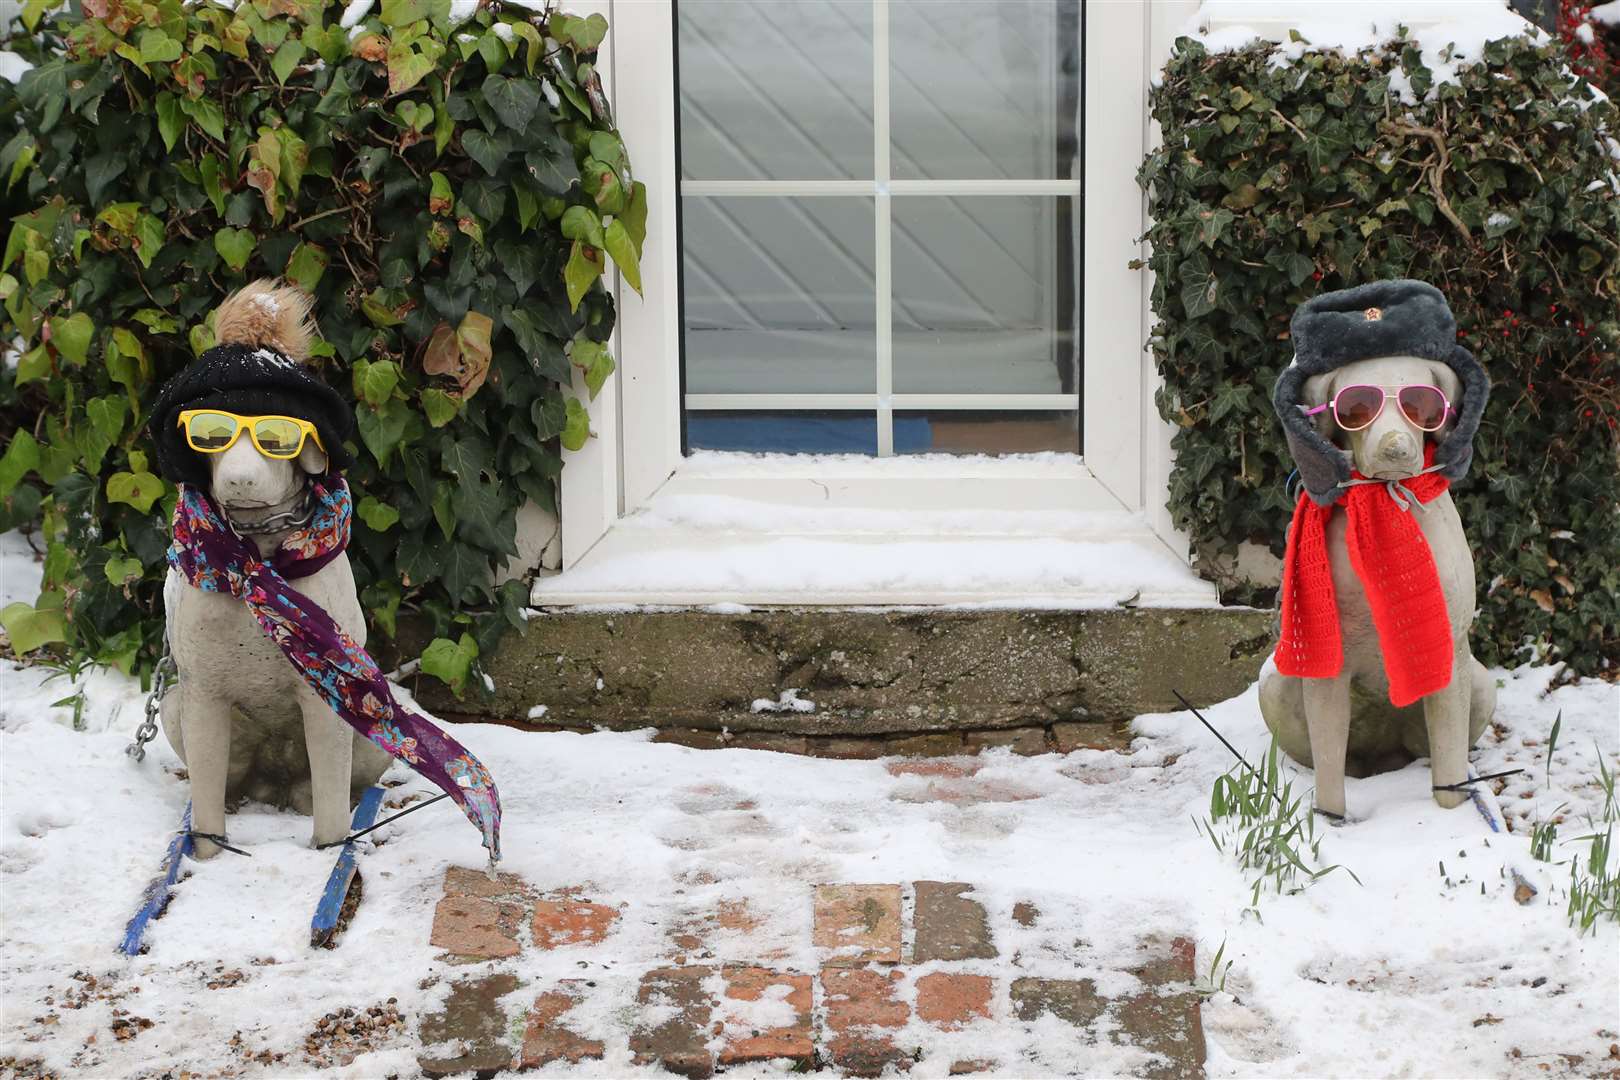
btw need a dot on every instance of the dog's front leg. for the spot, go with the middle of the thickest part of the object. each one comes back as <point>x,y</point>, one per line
<point>1446,714</point>
<point>331,750</point>
<point>1327,717</point>
<point>205,730</point>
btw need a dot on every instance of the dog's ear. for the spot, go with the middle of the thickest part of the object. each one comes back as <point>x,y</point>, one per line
<point>312,459</point>
<point>1319,390</point>
<point>1451,386</point>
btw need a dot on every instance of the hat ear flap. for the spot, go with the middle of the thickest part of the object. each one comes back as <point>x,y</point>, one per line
<point>312,459</point>
<point>1322,466</point>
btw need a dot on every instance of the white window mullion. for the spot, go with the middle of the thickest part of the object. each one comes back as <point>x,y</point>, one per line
<point>882,261</point>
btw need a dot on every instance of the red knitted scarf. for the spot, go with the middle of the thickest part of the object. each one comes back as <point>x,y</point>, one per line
<point>1391,557</point>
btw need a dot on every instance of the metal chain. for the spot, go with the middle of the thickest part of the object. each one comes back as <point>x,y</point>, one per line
<point>149,726</point>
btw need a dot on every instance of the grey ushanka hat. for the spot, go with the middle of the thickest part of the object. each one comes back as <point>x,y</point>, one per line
<point>1383,318</point>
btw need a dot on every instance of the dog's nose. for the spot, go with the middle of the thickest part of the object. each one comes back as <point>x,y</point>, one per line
<point>1397,448</point>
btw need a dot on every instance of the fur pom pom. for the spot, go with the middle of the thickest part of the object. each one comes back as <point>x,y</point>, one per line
<point>267,313</point>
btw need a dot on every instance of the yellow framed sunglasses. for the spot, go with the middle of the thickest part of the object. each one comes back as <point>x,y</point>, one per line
<point>214,431</point>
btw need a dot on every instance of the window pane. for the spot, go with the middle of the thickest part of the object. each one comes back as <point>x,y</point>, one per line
<point>984,295</point>
<point>952,431</point>
<point>780,295</point>
<point>783,432</point>
<point>985,91</point>
<point>775,91</point>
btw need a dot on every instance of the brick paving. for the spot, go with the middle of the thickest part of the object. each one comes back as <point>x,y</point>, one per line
<point>893,961</point>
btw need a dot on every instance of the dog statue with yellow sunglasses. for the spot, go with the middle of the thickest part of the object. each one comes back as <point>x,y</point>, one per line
<point>250,426</point>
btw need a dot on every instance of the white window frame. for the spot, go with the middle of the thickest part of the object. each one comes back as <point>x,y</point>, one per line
<point>636,419</point>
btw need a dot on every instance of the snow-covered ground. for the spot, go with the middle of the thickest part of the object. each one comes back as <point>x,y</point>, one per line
<point>1414,972</point>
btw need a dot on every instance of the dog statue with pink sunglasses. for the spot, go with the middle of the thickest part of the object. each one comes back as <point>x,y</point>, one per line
<point>1372,666</point>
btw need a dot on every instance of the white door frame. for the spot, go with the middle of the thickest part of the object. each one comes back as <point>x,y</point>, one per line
<point>636,418</point>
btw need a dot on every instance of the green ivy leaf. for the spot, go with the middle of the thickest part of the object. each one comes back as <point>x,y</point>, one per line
<point>443,514</point>
<point>583,34</point>
<point>140,489</point>
<point>594,359</point>
<point>382,429</point>
<point>306,265</point>
<point>449,661</point>
<point>171,119</point>
<point>616,240</point>
<point>107,416</point>
<point>581,223</point>
<point>286,59</point>
<point>207,114</point>
<point>514,100</point>
<point>122,570</point>
<point>578,428</point>
<point>635,216</point>
<point>70,336</point>
<point>488,150</point>
<point>158,48</point>
<point>31,627</point>
<point>375,383</point>
<point>378,515</point>
<point>20,459</point>
<point>584,267</point>
<point>439,406</point>
<point>235,246</point>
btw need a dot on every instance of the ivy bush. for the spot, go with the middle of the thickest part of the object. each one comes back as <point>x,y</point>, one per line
<point>1280,178</point>
<point>450,190</point>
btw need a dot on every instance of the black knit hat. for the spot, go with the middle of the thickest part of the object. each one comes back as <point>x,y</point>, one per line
<point>1383,318</point>
<point>250,381</point>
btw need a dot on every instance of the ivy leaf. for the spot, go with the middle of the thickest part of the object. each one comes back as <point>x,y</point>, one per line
<point>286,59</point>
<point>552,166</point>
<point>545,354</point>
<point>21,457</point>
<point>307,264</point>
<point>148,238</point>
<point>235,246</point>
<point>625,256</point>
<point>584,266</point>
<point>156,47</point>
<point>479,511</point>
<point>208,115</point>
<point>107,416</point>
<point>465,570</point>
<point>375,382</point>
<point>583,34</point>
<point>488,150</point>
<point>442,512</point>
<point>382,429</point>
<point>138,489</point>
<point>31,627</point>
<point>577,429</point>
<point>580,223</point>
<point>450,661</point>
<point>440,407</point>
<point>121,570</point>
<point>378,515</point>
<point>635,216</point>
<point>70,336</point>
<point>514,100</point>
<point>594,359</point>
<point>408,66</point>
<point>1198,296</point>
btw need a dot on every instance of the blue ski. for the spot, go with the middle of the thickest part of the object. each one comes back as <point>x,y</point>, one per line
<point>323,928</point>
<point>156,896</point>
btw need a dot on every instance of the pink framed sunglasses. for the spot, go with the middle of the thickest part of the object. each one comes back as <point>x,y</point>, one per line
<point>1355,407</point>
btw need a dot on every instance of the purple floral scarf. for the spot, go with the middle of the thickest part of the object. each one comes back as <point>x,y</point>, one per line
<point>211,556</point>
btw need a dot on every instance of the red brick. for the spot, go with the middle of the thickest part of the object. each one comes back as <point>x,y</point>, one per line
<point>567,920</point>
<point>460,881</point>
<point>745,1043</point>
<point>858,923</point>
<point>680,1042</point>
<point>862,998</point>
<point>473,926</point>
<point>967,792</point>
<point>950,1000</point>
<point>546,1039</point>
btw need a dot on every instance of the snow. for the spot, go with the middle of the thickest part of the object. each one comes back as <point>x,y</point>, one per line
<point>1451,33</point>
<point>1395,976</point>
<point>355,12</point>
<point>12,66</point>
<point>538,711</point>
<point>787,701</point>
<point>1608,14</point>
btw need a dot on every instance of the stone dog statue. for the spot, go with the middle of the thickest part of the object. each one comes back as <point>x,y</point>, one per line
<point>241,718</point>
<point>1380,408</point>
